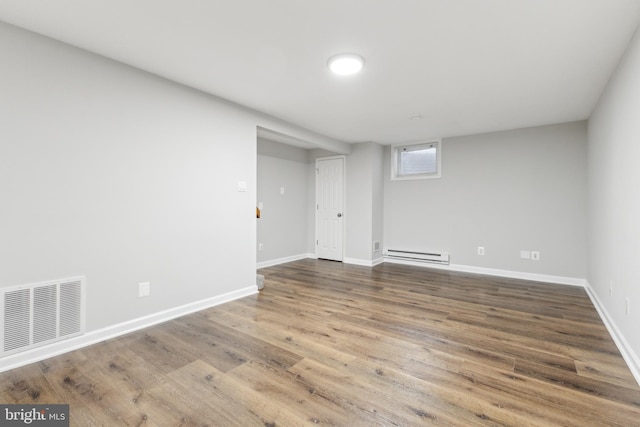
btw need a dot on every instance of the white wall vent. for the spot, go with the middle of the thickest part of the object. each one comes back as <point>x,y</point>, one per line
<point>40,314</point>
<point>432,257</point>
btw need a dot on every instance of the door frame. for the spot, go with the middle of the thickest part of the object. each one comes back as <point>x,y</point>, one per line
<point>344,201</point>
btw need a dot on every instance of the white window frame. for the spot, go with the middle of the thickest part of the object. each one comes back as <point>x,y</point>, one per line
<point>397,148</point>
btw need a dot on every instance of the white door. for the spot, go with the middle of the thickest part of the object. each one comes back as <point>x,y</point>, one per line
<point>329,208</point>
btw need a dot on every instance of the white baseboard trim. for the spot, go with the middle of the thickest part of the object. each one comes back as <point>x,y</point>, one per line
<point>561,280</point>
<point>353,261</point>
<point>278,261</point>
<point>363,262</point>
<point>37,354</point>
<point>632,359</point>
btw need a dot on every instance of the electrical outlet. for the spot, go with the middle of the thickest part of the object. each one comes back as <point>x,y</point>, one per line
<point>480,250</point>
<point>260,247</point>
<point>144,289</point>
<point>535,255</point>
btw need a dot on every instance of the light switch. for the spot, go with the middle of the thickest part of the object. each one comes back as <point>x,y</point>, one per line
<point>242,186</point>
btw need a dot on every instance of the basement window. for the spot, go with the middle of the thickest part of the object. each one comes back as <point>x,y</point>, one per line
<point>416,161</point>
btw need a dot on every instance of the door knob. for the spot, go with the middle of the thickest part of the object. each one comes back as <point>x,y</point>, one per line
<point>339,215</point>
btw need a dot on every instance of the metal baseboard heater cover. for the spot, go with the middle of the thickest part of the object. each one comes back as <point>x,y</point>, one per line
<point>39,314</point>
<point>429,257</point>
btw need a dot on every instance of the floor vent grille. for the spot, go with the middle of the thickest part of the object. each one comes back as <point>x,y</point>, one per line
<point>40,314</point>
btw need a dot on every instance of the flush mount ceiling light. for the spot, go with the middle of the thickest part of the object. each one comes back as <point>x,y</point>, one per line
<point>346,63</point>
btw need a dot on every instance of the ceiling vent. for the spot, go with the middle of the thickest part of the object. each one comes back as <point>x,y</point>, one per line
<point>40,314</point>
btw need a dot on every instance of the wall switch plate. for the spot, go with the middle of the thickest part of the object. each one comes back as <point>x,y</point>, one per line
<point>260,247</point>
<point>144,289</point>
<point>525,254</point>
<point>480,250</point>
<point>535,255</point>
<point>282,190</point>
<point>242,186</point>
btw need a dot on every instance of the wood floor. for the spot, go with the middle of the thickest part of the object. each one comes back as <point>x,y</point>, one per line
<point>332,344</point>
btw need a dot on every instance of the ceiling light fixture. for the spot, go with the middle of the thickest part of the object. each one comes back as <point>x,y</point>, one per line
<point>346,63</point>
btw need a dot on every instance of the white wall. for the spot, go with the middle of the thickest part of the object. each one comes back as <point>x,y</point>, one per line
<point>114,174</point>
<point>123,177</point>
<point>363,209</point>
<point>614,199</point>
<point>283,225</point>
<point>505,191</point>
<point>278,163</point>
<point>377,202</point>
<point>358,215</point>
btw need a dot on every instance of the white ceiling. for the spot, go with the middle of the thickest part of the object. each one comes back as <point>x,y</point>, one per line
<point>466,66</point>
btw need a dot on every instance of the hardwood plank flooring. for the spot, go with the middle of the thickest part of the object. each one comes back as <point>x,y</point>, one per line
<point>339,345</point>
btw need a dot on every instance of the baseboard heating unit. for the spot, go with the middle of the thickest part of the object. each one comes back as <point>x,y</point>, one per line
<point>429,257</point>
<point>39,314</point>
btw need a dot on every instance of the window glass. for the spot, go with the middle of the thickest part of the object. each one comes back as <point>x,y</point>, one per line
<point>416,161</point>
